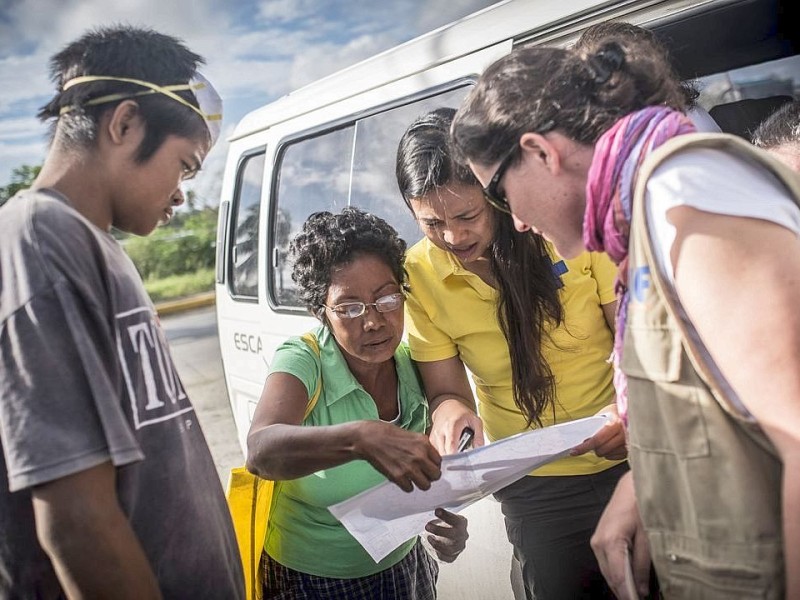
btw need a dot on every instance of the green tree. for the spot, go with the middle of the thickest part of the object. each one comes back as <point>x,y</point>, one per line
<point>21,178</point>
<point>186,245</point>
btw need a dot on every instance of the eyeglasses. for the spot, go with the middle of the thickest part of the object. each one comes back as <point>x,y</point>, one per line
<point>353,310</point>
<point>490,191</point>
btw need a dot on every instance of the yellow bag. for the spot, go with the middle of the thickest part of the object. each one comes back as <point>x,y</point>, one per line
<point>249,500</point>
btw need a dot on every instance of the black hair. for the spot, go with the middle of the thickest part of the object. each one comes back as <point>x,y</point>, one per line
<point>539,89</point>
<point>424,157</point>
<point>781,127</point>
<point>529,303</point>
<point>132,53</point>
<point>330,240</point>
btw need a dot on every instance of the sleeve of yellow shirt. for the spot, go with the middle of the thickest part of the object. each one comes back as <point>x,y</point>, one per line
<point>426,341</point>
<point>604,272</point>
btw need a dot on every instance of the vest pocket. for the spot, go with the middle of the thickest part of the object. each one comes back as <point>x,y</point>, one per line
<point>664,412</point>
<point>652,353</point>
<point>683,576</point>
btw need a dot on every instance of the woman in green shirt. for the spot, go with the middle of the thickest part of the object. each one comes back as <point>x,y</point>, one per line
<point>368,424</point>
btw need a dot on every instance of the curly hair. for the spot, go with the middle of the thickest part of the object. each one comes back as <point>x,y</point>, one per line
<point>331,240</point>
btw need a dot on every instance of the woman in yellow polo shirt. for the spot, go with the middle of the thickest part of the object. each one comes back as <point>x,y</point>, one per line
<point>368,423</point>
<point>535,332</point>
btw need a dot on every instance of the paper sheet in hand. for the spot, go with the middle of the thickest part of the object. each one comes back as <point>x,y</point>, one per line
<point>383,517</point>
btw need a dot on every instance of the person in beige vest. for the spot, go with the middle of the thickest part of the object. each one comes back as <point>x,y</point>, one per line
<point>590,150</point>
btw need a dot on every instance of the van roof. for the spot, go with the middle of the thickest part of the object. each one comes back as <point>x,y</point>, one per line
<point>704,36</point>
<point>490,25</point>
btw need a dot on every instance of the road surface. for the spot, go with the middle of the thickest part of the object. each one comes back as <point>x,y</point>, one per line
<point>194,346</point>
<point>482,570</point>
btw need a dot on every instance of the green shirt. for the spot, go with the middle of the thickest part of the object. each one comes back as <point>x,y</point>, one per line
<point>302,533</point>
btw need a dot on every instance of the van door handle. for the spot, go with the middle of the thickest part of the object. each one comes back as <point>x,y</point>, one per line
<point>222,239</point>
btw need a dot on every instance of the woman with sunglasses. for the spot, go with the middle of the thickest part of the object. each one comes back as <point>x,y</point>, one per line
<point>534,330</point>
<point>706,230</point>
<point>368,424</point>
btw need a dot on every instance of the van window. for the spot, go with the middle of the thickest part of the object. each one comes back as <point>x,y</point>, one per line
<point>740,99</point>
<point>352,165</point>
<point>314,175</point>
<point>244,252</point>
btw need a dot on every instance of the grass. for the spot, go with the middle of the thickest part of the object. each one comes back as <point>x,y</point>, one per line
<point>180,286</point>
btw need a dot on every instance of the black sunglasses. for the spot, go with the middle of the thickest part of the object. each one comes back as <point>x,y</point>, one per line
<point>490,191</point>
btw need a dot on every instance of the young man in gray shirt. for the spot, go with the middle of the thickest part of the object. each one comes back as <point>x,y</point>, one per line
<point>107,486</point>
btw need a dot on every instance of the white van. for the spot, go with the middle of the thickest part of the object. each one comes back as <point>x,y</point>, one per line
<point>332,144</point>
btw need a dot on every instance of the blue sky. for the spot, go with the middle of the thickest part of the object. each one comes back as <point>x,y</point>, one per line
<point>256,51</point>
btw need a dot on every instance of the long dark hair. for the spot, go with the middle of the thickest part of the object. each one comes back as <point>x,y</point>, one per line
<point>529,304</point>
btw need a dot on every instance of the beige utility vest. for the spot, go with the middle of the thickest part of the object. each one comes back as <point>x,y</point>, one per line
<point>707,479</point>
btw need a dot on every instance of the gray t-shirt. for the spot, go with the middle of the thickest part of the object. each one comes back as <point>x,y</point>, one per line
<point>86,377</point>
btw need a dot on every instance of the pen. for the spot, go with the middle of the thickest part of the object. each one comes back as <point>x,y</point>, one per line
<point>466,439</point>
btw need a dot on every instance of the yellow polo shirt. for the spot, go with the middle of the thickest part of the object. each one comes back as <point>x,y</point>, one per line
<point>452,312</point>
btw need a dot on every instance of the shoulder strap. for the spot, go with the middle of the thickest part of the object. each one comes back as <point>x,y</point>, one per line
<point>311,340</point>
<point>691,342</point>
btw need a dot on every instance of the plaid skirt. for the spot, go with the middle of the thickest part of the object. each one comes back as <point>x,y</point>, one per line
<point>413,578</point>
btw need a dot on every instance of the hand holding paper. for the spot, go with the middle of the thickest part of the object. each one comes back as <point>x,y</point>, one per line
<point>384,517</point>
<point>609,442</point>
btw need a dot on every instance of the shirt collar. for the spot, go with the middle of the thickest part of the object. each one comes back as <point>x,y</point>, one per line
<point>444,263</point>
<point>338,386</point>
<point>344,383</point>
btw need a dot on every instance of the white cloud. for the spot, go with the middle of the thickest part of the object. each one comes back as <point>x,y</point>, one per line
<point>23,78</point>
<point>323,59</point>
<point>256,50</point>
<point>64,21</point>
<point>23,141</point>
<point>281,10</point>
<point>21,128</point>
<point>201,23</point>
<point>31,153</point>
<point>13,156</point>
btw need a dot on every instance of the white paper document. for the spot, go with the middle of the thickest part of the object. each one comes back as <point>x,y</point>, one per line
<point>383,517</point>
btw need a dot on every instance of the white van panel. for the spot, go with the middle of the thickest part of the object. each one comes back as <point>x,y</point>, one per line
<point>393,92</point>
